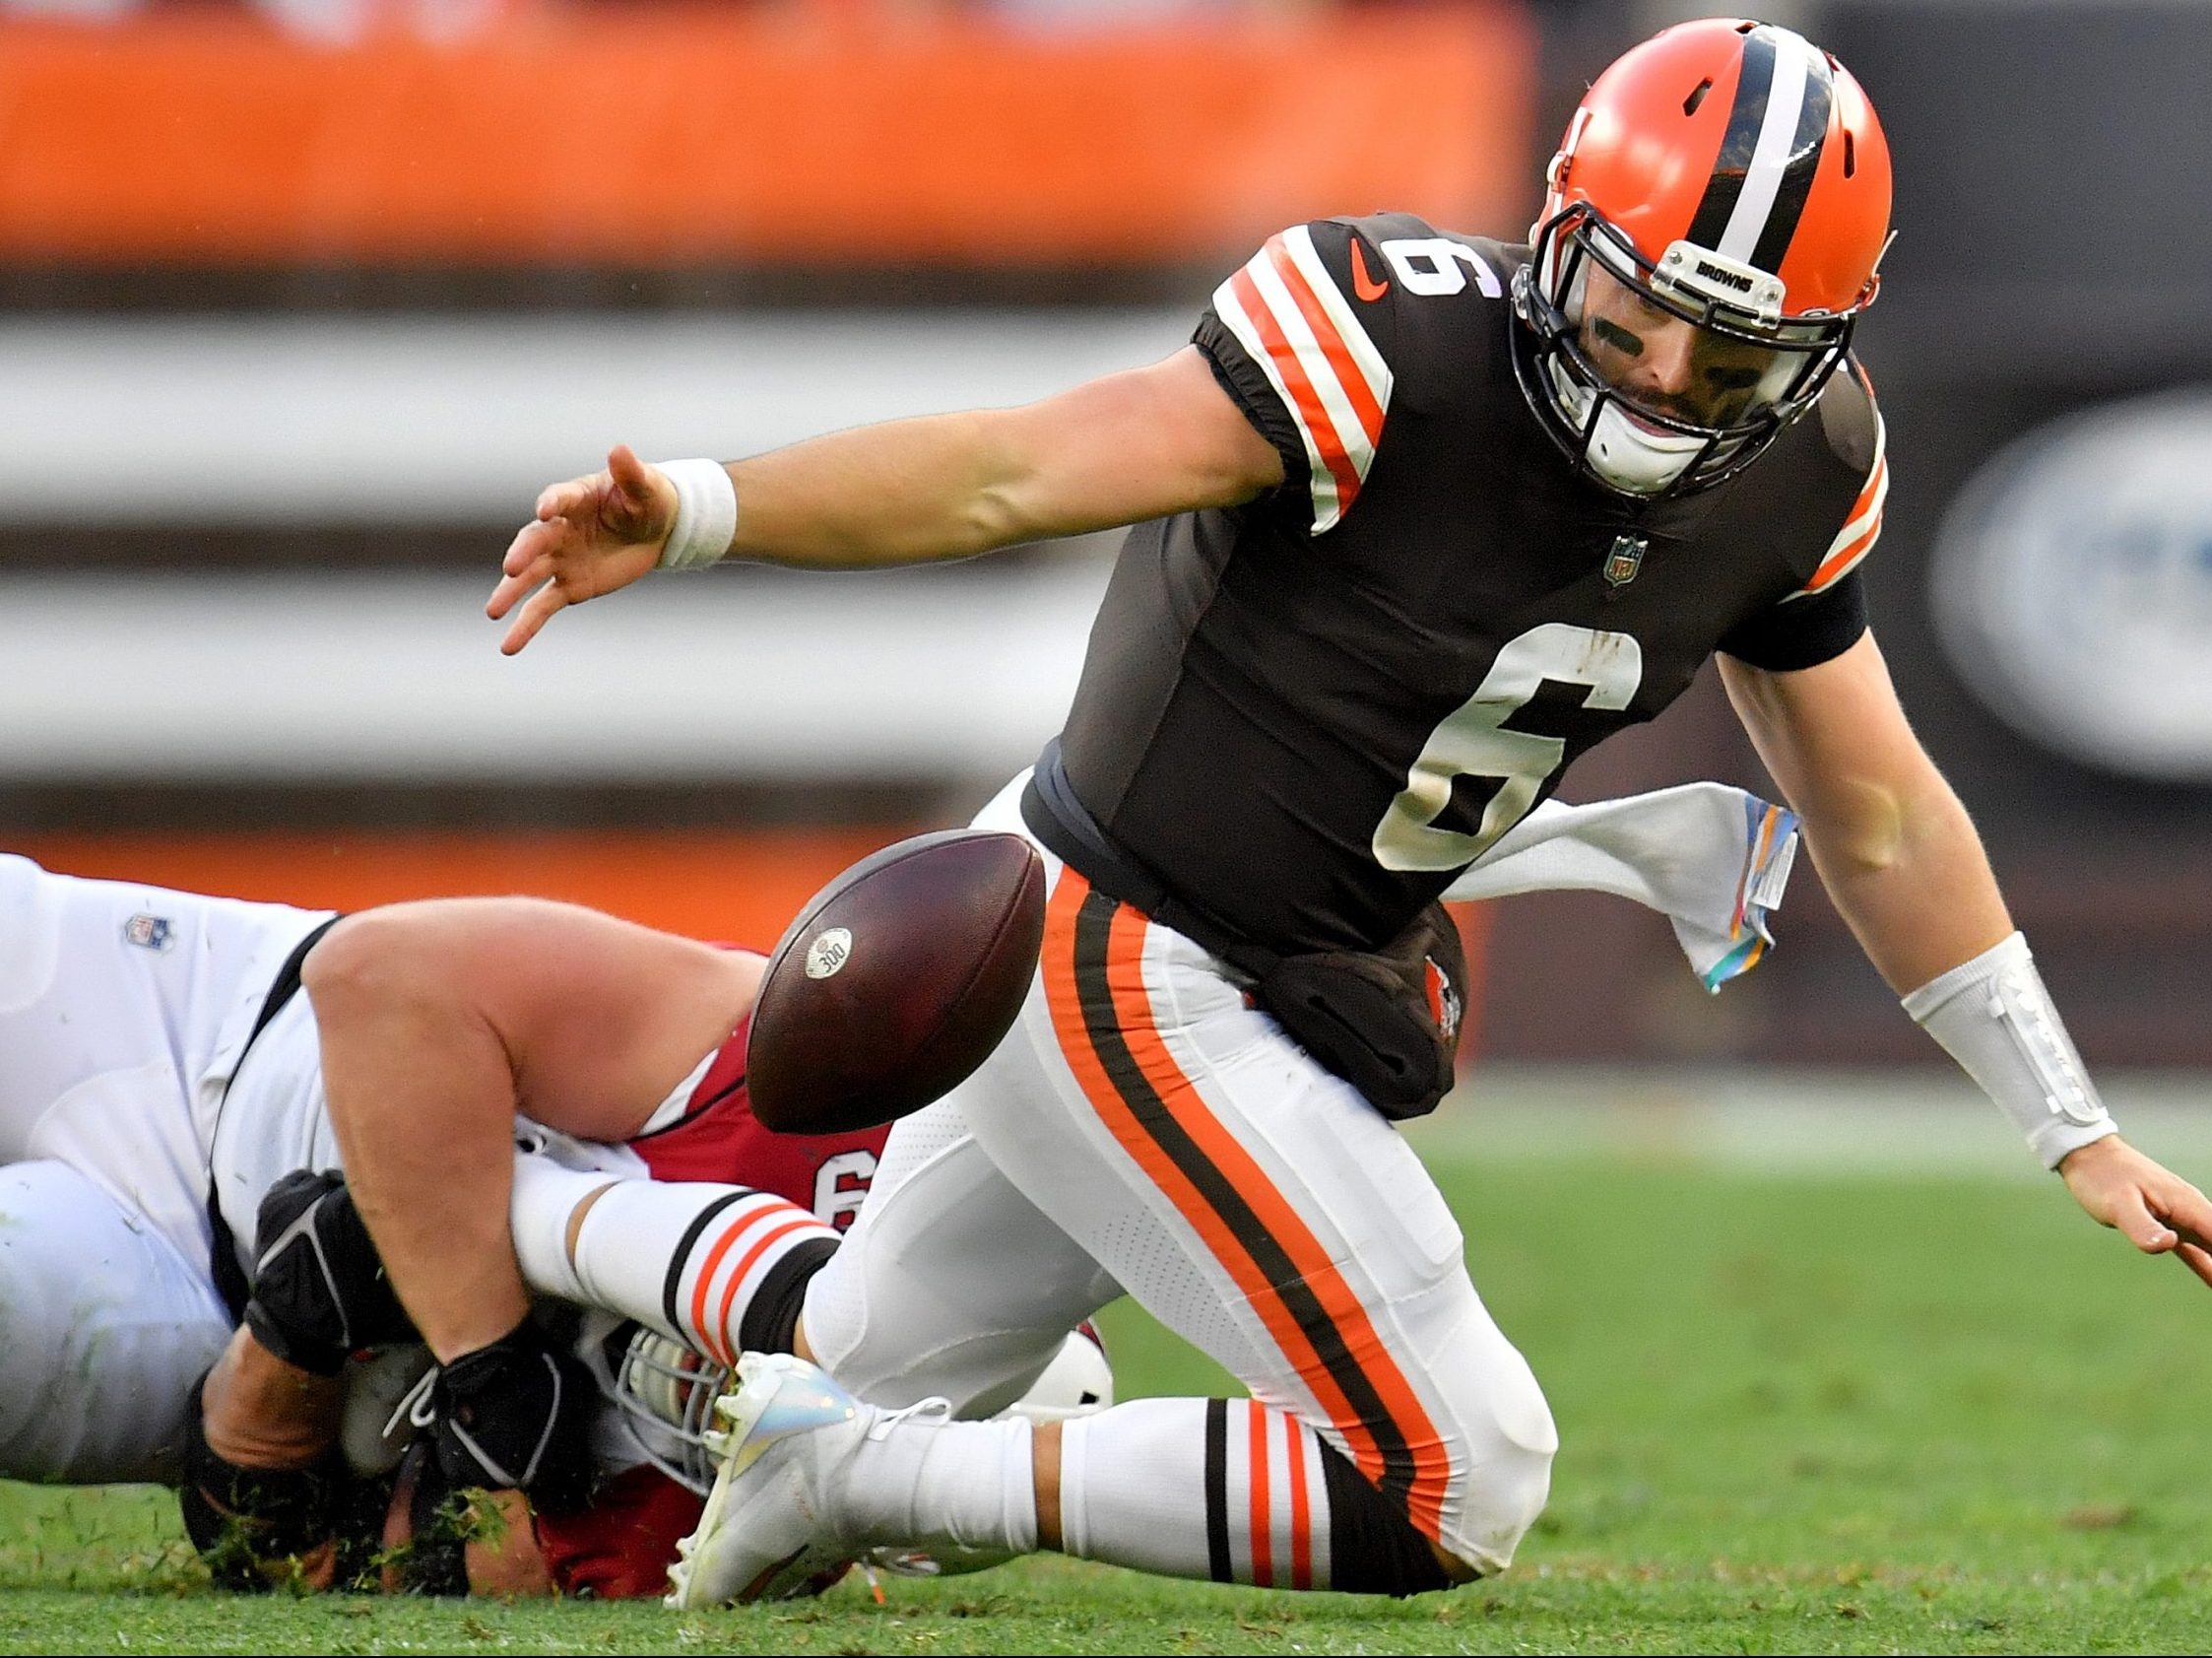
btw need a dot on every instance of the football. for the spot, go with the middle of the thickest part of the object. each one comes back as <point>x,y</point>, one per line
<point>895,981</point>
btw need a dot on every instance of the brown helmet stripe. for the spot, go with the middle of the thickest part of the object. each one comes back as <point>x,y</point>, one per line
<point>1746,117</point>
<point>1768,154</point>
<point>1797,172</point>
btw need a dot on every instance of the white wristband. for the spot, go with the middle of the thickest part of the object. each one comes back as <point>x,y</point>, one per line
<point>706,513</point>
<point>1993,1016</point>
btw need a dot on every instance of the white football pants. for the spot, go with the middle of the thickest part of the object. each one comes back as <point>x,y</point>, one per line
<point>123,1010</point>
<point>1144,1128</point>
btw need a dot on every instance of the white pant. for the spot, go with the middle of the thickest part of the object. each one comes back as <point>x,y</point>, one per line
<point>123,1010</point>
<point>1144,1127</point>
<point>108,1326</point>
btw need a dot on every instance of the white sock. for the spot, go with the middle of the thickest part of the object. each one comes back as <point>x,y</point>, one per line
<point>921,1482</point>
<point>1221,1488</point>
<point>718,1268</point>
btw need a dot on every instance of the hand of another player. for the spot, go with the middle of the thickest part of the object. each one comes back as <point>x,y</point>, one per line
<point>591,535</point>
<point>2157,1211</point>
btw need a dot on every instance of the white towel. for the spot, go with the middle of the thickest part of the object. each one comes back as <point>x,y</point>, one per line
<point>1714,860</point>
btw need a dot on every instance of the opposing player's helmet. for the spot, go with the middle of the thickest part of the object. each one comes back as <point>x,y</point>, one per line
<point>663,1395</point>
<point>1710,235</point>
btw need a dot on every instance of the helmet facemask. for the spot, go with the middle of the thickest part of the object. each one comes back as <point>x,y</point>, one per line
<point>1592,305</point>
<point>664,1396</point>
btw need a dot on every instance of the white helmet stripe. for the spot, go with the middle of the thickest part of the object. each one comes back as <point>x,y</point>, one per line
<point>1778,133</point>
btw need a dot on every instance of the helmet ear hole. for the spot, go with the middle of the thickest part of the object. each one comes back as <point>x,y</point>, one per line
<point>1851,154</point>
<point>1697,96</point>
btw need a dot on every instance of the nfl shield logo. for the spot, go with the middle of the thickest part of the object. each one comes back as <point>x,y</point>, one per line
<point>149,932</point>
<point>1626,558</point>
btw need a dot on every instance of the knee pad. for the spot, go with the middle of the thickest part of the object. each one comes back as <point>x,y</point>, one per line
<point>1372,1548</point>
<point>319,1289</point>
<point>245,1521</point>
<point>516,1415</point>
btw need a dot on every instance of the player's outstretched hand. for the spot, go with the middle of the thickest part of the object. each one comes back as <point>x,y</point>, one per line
<point>591,536</point>
<point>2157,1211</point>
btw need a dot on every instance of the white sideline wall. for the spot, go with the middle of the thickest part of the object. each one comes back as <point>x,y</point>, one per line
<point>410,420</point>
<point>901,676</point>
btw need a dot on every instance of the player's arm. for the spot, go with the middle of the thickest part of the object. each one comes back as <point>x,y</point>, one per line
<point>441,1021</point>
<point>1905,869</point>
<point>1116,450</point>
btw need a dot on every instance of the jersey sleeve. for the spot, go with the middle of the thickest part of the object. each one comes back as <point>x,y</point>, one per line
<point>1857,433</point>
<point>1802,633</point>
<point>1299,338</point>
<point>1824,618</point>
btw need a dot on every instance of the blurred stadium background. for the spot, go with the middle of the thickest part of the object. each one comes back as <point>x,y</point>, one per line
<point>300,300</point>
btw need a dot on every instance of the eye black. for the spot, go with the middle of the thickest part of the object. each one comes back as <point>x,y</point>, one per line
<point>1614,335</point>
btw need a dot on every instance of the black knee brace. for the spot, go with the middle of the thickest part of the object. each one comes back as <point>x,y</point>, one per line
<point>319,1289</point>
<point>1372,1548</point>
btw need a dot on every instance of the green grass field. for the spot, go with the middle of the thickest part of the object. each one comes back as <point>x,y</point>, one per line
<point>1800,1411</point>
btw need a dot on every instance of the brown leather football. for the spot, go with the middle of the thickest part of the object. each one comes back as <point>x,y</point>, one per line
<point>895,981</point>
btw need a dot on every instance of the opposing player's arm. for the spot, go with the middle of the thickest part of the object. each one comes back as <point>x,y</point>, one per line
<point>596,1019</point>
<point>1116,450</point>
<point>1906,871</point>
<point>440,1021</point>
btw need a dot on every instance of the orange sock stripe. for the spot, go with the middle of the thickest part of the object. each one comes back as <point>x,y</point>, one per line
<point>1301,1513</point>
<point>1262,1523</point>
<point>711,1334</point>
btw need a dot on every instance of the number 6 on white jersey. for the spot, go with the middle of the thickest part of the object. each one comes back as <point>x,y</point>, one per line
<point>1473,742</point>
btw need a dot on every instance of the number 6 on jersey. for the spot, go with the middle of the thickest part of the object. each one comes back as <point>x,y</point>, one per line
<point>1472,742</point>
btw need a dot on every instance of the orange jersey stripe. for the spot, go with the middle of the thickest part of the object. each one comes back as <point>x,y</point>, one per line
<point>1844,557</point>
<point>1311,414</point>
<point>1331,339</point>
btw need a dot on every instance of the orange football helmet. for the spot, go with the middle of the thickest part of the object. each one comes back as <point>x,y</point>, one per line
<point>1710,235</point>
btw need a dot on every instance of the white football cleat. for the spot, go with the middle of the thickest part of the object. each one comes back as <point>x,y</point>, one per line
<point>758,1537</point>
<point>765,1535</point>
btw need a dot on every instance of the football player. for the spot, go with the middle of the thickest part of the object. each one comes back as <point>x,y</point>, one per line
<point>168,1059</point>
<point>310,1476</point>
<point>174,1061</point>
<point>1422,516</point>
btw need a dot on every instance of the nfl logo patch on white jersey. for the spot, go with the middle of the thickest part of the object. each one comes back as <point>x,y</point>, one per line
<point>149,932</point>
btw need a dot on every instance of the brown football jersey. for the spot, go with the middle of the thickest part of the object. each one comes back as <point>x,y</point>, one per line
<point>1309,714</point>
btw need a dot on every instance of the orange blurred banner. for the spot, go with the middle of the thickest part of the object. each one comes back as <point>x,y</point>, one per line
<point>742,888</point>
<point>673,135</point>
<point>735,887</point>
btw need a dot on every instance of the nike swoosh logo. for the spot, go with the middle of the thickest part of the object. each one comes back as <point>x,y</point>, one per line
<point>1363,284</point>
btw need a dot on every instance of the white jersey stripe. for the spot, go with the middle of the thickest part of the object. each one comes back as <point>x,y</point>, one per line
<point>1230,309</point>
<point>1350,435</point>
<point>1793,68</point>
<point>1299,244</point>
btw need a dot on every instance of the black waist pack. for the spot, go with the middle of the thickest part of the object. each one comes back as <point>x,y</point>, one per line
<point>1387,1021</point>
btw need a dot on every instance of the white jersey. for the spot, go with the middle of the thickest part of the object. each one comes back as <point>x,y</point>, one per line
<point>123,1011</point>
